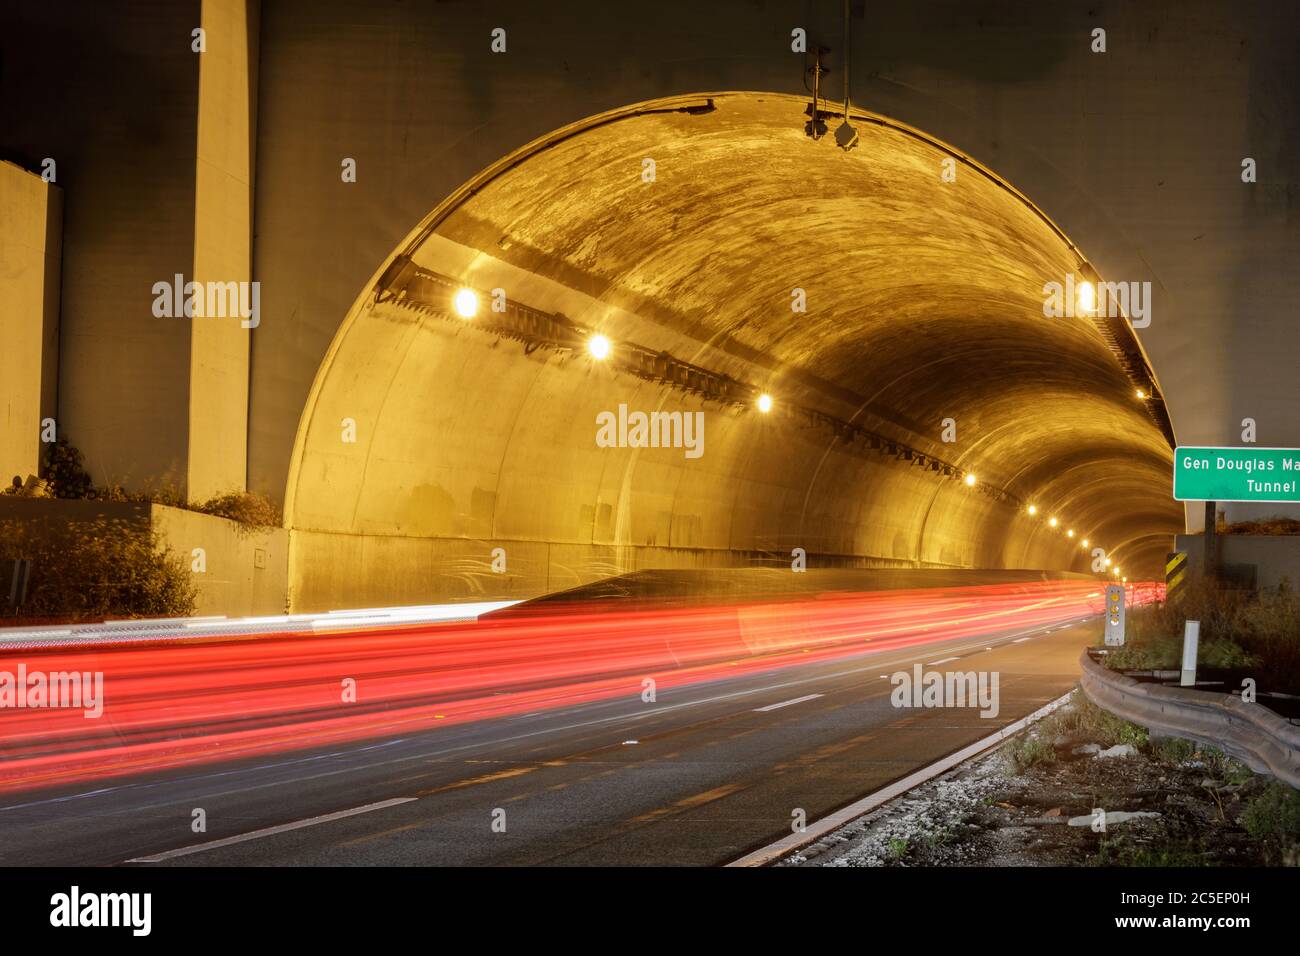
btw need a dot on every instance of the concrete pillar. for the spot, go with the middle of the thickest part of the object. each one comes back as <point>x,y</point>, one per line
<point>30,258</point>
<point>219,345</point>
<point>153,145</point>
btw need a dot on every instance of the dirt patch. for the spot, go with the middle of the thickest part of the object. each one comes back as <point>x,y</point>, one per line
<point>1035,801</point>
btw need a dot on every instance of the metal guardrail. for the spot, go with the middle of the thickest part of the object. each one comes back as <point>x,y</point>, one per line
<point>1248,732</point>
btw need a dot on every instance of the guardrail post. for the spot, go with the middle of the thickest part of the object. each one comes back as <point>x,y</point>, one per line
<point>1191,637</point>
<point>20,570</point>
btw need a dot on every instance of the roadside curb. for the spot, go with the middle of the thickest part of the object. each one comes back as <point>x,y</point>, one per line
<point>845,815</point>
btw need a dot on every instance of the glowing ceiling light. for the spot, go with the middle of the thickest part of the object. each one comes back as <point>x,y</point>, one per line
<point>1033,509</point>
<point>1108,562</point>
<point>1070,533</point>
<point>970,480</point>
<point>1085,543</point>
<point>765,403</point>
<point>599,347</point>
<point>466,303</point>
<point>1141,394</point>
<point>1087,296</point>
<point>1052,522</point>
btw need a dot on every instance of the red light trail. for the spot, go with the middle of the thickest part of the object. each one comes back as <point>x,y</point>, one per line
<point>209,700</point>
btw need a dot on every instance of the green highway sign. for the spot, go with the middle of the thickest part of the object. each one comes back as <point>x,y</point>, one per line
<point>1237,474</point>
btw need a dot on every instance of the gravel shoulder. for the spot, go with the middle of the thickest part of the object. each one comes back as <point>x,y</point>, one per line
<point>1079,788</point>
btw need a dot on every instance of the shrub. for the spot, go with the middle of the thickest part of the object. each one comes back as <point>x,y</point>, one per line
<point>1273,818</point>
<point>65,472</point>
<point>1269,628</point>
<point>1238,631</point>
<point>164,493</point>
<point>98,569</point>
<point>1084,719</point>
<point>1163,652</point>
<point>253,513</point>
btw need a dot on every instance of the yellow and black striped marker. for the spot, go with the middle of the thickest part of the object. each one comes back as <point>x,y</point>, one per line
<point>1175,572</point>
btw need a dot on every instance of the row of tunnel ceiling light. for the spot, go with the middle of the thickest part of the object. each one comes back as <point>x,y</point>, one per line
<point>1087,297</point>
<point>598,346</point>
<point>403,286</point>
<point>1053,522</point>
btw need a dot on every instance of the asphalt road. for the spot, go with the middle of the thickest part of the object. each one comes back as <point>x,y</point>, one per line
<point>699,777</point>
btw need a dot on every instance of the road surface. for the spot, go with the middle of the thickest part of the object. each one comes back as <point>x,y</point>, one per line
<point>706,772</point>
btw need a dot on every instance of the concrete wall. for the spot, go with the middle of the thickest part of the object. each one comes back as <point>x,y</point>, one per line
<point>1275,557</point>
<point>244,573</point>
<point>153,146</point>
<point>110,93</point>
<point>30,256</point>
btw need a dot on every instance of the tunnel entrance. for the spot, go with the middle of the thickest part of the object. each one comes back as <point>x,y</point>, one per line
<point>862,334</point>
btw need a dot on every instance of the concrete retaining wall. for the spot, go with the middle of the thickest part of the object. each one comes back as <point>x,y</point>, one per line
<point>1274,557</point>
<point>243,574</point>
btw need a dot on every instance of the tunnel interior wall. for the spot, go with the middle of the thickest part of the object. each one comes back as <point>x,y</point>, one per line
<point>430,440</point>
<point>517,468</point>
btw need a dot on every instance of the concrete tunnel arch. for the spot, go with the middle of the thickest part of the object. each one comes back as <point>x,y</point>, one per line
<point>925,302</point>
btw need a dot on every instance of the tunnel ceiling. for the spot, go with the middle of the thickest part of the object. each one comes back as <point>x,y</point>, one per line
<point>924,303</point>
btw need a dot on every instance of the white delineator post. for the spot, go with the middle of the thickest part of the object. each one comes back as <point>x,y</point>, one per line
<point>1191,637</point>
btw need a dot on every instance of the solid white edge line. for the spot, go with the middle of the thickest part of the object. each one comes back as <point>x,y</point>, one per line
<point>785,703</point>
<point>846,815</point>
<point>943,660</point>
<point>269,831</point>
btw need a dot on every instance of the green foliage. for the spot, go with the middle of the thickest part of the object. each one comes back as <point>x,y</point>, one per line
<point>1164,652</point>
<point>1082,718</point>
<point>1121,850</point>
<point>105,568</point>
<point>1238,631</point>
<point>940,837</point>
<point>898,848</point>
<point>1026,752</point>
<point>1172,750</point>
<point>1223,767</point>
<point>1273,818</point>
<point>1269,628</point>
